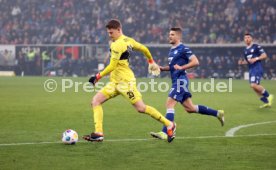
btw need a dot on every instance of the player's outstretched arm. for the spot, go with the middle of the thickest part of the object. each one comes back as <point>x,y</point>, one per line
<point>192,63</point>
<point>164,68</point>
<point>116,52</point>
<point>263,56</point>
<point>112,65</point>
<point>153,67</point>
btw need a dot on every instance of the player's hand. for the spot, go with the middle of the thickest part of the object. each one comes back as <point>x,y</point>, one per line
<point>253,60</point>
<point>154,68</point>
<point>94,79</point>
<point>240,62</point>
<point>177,67</point>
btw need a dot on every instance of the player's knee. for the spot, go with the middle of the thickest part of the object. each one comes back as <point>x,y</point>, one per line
<point>253,86</point>
<point>141,109</point>
<point>140,106</point>
<point>95,102</point>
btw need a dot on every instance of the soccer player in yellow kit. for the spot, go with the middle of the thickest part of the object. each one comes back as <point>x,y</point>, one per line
<point>123,82</point>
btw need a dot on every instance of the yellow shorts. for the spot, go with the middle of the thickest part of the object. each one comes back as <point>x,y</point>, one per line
<point>126,89</point>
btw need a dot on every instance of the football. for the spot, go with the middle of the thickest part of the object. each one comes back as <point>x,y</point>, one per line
<point>70,137</point>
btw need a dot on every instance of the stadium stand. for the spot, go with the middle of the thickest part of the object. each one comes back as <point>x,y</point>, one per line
<point>81,22</point>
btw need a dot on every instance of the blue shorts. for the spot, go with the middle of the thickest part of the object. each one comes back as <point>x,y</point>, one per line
<point>255,78</point>
<point>180,90</point>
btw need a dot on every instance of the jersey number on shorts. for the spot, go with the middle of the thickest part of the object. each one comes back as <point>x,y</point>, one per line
<point>130,95</point>
<point>172,89</point>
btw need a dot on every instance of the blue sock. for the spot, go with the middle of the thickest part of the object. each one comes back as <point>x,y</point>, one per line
<point>170,116</point>
<point>265,93</point>
<point>264,99</point>
<point>206,110</point>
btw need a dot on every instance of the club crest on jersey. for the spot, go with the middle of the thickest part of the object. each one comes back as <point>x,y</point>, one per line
<point>175,52</point>
<point>252,50</point>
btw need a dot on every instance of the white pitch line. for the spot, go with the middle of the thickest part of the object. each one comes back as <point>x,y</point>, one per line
<point>135,140</point>
<point>232,131</point>
<point>27,143</point>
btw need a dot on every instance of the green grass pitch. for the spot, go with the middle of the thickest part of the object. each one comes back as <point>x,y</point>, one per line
<point>29,115</point>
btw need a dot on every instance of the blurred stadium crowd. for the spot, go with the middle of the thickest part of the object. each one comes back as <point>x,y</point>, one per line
<point>218,66</point>
<point>221,65</point>
<point>80,22</point>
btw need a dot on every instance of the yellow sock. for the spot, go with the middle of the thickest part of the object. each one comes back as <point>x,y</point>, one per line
<point>98,118</point>
<point>157,115</point>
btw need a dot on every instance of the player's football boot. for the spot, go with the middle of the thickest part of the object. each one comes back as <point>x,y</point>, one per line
<point>220,117</point>
<point>270,99</point>
<point>264,106</point>
<point>159,135</point>
<point>171,132</point>
<point>94,137</point>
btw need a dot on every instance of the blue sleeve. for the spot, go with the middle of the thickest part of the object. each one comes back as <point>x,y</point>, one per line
<point>187,52</point>
<point>259,50</point>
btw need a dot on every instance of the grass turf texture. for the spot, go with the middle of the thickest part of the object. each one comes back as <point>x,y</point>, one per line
<point>30,114</point>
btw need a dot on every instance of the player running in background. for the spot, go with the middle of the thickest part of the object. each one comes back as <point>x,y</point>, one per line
<point>254,54</point>
<point>122,81</point>
<point>180,59</point>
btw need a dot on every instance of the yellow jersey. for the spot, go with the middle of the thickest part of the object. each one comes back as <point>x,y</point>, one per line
<point>120,51</point>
